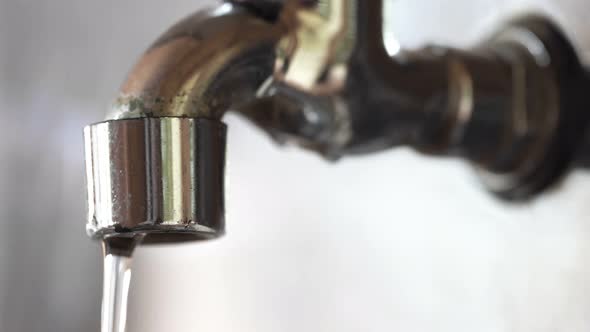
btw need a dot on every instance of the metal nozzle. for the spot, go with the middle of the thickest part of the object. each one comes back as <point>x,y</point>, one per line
<point>159,177</point>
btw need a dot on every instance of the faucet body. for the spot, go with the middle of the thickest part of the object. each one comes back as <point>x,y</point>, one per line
<point>318,74</point>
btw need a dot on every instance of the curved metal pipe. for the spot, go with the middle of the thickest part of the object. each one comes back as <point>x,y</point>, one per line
<point>206,64</point>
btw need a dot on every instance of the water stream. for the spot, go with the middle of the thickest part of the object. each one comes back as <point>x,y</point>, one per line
<point>116,279</point>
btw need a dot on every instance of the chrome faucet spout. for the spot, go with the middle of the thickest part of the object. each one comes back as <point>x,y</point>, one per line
<point>318,73</point>
<point>155,167</point>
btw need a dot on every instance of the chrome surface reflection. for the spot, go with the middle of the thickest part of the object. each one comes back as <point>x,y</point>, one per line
<point>157,176</point>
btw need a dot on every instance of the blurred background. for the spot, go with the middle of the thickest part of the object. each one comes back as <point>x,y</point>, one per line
<point>390,242</point>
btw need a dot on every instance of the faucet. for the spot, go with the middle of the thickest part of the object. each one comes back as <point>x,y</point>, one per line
<point>318,74</point>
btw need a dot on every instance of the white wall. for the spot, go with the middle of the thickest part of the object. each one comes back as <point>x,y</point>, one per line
<point>391,242</point>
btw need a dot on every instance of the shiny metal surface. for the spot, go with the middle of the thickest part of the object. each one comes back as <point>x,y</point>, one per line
<point>314,56</point>
<point>548,121</point>
<point>509,105</point>
<point>206,64</point>
<point>159,177</point>
<point>505,104</point>
<point>162,174</point>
